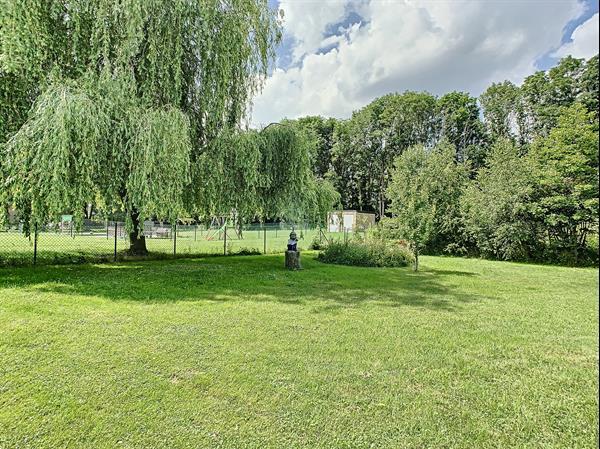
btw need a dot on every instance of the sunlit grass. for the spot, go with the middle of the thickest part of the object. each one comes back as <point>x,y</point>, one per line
<point>240,353</point>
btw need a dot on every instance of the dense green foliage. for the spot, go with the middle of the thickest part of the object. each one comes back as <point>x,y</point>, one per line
<point>137,107</point>
<point>131,99</point>
<point>530,152</point>
<point>424,193</point>
<point>365,253</point>
<point>566,180</point>
<point>497,205</point>
<point>239,353</point>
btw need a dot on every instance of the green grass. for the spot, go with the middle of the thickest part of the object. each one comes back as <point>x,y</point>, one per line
<point>239,353</point>
<point>16,249</point>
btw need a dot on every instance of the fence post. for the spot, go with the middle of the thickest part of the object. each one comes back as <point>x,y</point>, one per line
<point>115,251</point>
<point>107,229</point>
<point>35,240</point>
<point>225,240</point>
<point>195,231</point>
<point>175,238</point>
<point>264,239</point>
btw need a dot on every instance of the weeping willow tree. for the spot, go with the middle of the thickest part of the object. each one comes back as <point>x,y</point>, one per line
<point>262,175</point>
<point>130,97</point>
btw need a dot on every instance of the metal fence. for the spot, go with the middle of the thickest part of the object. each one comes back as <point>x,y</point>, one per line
<point>106,241</point>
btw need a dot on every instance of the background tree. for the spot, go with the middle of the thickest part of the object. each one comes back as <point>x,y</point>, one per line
<point>323,131</point>
<point>365,146</point>
<point>566,176</point>
<point>503,111</point>
<point>589,80</point>
<point>424,184</point>
<point>497,205</point>
<point>461,126</point>
<point>546,93</point>
<point>347,168</point>
<point>132,95</point>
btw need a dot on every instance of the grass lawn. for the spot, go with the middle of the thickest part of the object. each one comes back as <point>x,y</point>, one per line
<point>16,249</point>
<point>238,353</point>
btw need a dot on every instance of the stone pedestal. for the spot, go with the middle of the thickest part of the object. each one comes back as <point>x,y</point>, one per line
<point>292,260</point>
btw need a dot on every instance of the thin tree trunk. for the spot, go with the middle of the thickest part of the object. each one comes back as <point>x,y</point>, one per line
<point>416,253</point>
<point>137,242</point>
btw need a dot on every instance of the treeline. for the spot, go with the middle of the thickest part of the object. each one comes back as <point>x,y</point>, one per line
<point>517,168</point>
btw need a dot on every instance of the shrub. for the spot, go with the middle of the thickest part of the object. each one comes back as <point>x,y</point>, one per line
<point>386,229</point>
<point>370,253</point>
<point>247,252</point>
<point>318,243</point>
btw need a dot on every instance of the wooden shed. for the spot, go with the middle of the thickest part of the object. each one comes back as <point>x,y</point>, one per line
<point>350,220</point>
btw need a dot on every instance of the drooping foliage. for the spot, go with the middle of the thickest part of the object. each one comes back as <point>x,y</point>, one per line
<point>131,95</point>
<point>263,175</point>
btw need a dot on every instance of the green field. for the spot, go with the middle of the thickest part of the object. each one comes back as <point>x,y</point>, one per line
<point>53,247</point>
<point>235,352</point>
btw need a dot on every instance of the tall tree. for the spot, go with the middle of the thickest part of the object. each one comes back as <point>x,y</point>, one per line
<point>546,93</point>
<point>460,125</point>
<point>497,206</point>
<point>322,130</point>
<point>371,140</point>
<point>424,192</point>
<point>132,95</point>
<point>589,90</point>
<point>503,111</point>
<point>566,173</point>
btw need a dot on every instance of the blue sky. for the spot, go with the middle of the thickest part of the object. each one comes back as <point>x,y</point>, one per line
<point>547,61</point>
<point>338,55</point>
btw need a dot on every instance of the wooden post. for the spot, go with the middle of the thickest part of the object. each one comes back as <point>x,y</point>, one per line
<point>292,260</point>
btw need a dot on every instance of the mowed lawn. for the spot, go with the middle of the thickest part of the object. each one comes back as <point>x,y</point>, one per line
<point>236,352</point>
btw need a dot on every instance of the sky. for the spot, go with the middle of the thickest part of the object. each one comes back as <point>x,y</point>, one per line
<point>336,56</point>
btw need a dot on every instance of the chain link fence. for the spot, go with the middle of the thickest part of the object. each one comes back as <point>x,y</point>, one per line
<point>107,241</point>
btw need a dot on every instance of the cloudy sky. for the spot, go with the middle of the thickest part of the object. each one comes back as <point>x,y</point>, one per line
<point>337,56</point>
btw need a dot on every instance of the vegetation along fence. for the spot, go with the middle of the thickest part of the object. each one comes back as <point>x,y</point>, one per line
<point>106,241</point>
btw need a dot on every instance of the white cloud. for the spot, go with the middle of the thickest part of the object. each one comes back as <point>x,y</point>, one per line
<point>306,22</point>
<point>437,46</point>
<point>584,40</point>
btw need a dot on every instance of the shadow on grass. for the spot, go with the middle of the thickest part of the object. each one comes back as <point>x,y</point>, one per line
<point>328,288</point>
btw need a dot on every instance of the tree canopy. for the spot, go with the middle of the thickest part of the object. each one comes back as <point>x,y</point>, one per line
<point>129,98</point>
<point>530,151</point>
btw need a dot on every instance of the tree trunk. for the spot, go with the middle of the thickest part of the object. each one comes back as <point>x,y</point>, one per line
<point>416,253</point>
<point>137,242</point>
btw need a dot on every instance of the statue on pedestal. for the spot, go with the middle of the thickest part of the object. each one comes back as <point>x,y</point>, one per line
<point>292,255</point>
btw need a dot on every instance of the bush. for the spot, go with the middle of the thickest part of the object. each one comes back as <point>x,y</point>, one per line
<point>318,243</point>
<point>371,253</point>
<point>247,252</point>
<point>385,229</point>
